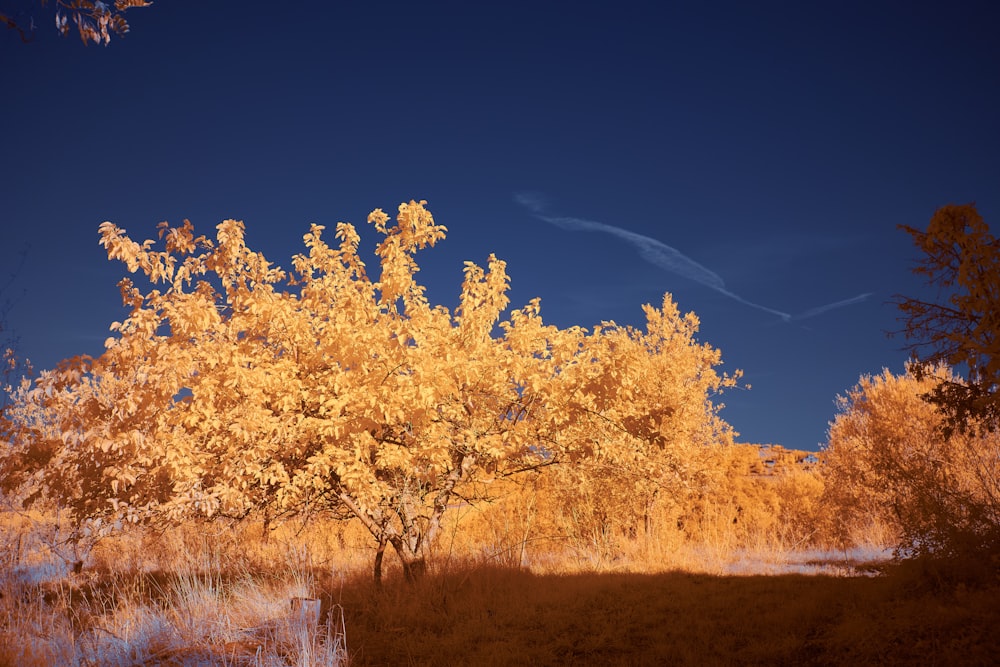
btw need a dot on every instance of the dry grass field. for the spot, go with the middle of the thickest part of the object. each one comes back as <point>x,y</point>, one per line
<point>213,596</point>
<point>502,617</point>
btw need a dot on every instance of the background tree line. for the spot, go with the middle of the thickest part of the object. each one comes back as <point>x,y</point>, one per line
<point>235,390</point>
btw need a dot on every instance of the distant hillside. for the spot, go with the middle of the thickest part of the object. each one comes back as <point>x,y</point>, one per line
<point>775,459</point>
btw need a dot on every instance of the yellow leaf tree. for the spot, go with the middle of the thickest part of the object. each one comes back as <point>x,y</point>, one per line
<point>889,459</point>
<point>236,389</point>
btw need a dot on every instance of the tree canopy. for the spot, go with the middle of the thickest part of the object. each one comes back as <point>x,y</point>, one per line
<point>235,388</point>
<point>962,328</point>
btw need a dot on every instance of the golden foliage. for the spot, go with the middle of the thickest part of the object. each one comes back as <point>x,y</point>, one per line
<point>234,388</point>
<point>746,503</point>
<point>889,459</point>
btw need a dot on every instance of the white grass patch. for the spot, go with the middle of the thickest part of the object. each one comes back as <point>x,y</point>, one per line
<point>854,562</point>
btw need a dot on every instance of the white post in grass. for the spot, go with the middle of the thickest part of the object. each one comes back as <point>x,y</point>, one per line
<point>305,613</point>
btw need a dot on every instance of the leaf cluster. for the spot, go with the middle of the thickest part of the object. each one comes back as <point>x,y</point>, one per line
<point>94,20</point>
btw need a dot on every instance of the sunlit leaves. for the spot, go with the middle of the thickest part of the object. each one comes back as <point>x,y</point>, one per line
<point>234,388</point>
<point>888,459</point>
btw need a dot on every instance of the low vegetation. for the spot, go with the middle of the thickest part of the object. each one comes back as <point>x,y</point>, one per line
<point>515,581</point>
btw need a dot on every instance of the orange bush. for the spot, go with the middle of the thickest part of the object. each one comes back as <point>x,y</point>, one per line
<point>889,459</point>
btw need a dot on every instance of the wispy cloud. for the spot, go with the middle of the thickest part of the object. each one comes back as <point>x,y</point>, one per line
<point>669,258</point>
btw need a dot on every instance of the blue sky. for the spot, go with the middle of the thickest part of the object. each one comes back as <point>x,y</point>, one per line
<point>753,159</point>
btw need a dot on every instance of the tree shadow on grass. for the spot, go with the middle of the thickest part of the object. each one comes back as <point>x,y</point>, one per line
<point>487,616</point>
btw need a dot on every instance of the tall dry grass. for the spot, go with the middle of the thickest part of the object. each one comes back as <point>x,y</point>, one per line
<point>189,596</point>
<point>526,578</point>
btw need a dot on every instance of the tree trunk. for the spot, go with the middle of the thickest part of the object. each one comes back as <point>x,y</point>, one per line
<point>266,531</point>
<point>378,561</point>
<point>414,563</point>
<point>380,529</point>
<point>414,569</point>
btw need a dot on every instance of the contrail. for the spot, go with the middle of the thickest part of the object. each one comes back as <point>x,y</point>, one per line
<point>813,312</point>
<point>670,259</point>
